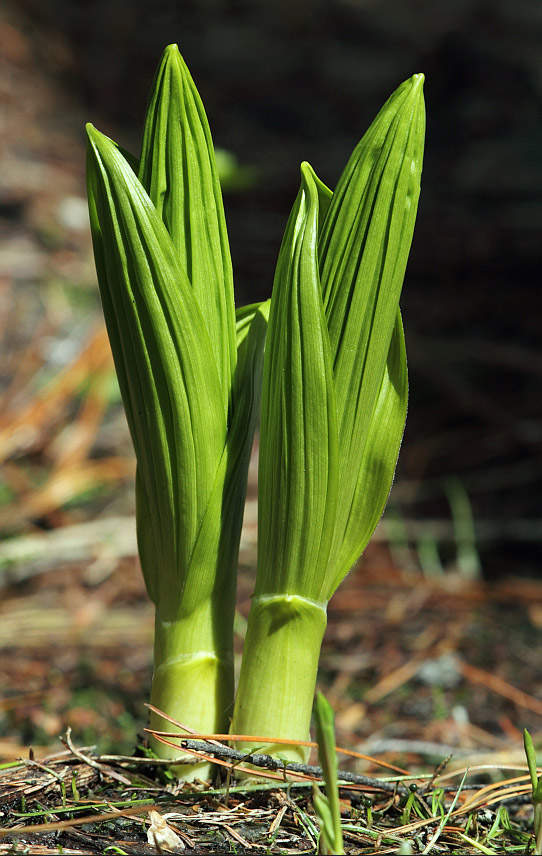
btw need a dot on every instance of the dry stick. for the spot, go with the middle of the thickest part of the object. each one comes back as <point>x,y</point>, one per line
<point>251,738</point>
<point>216,751</point>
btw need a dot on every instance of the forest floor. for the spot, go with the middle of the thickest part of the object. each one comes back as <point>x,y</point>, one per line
<point>427,676</point>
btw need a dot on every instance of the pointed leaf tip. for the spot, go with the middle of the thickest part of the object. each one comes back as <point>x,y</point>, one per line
<point>93,134</point>
<point>178,171</point>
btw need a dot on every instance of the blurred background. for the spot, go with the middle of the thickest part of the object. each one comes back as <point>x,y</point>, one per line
<point>281,82</point>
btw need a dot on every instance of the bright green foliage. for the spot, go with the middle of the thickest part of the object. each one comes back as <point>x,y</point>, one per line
<point>334,395</point>
<point>334,402</point>
<point>179,172</point>
<point>191,397</point>
<point>335,381</point>
<point>327,807</point>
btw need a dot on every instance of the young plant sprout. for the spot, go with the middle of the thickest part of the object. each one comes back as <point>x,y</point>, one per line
<point>189,378</point>
<point>333,389</point>
<point>333,408</point>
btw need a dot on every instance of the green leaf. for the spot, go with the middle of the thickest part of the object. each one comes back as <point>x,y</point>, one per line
<point>325,736</point>
<point>164,360</point>
<point>217,542</point>
<point>178,170</point>
<point>379,460</point>
<point>244,316</point>
<point>328,807</point>
<point>325,822</point>
<point>298,435</point>
<point>530,754</point>
<point>363,251</point>
<point>252,324</point>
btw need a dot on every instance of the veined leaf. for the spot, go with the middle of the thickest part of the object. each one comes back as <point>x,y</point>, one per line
<point>217,542</point>
<point>298,435</point>
<point>379,460</point>
<point>164,360</point>
<point>363,251</point>
<point>178,170</point>
<point>251,333</point>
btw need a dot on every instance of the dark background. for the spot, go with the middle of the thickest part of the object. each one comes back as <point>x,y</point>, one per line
<point>287,80</point>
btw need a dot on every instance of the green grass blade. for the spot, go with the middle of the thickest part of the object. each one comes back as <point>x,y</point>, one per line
<point>363,251</point>
<point>178,170</point>
<point>166,367</point>
<point>530,754</point>
<point>298,434</point>
<point>328,807</point>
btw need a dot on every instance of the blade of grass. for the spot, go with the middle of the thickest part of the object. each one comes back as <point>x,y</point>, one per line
<point>327,807</point>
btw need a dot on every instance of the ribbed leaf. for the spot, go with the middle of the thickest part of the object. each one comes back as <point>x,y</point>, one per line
<point>298,434</point>
<point>363,251</point>
<point>164,360</point>
<point>244,316</point>
<point>178,170</point>
<point>251,335</point>
<point>379,460</point>
<point>217,543</point>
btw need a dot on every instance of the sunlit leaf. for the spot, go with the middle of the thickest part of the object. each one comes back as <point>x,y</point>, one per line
<point>178,170</point>
<point>162,353</point>
<point>298,437</point>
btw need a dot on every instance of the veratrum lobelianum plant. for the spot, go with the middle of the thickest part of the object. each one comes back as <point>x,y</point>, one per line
<point>189,373</point>
<point>334,396</point>
<point>334,404</point>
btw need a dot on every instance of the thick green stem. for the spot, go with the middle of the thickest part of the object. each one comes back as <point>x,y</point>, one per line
<point>278,672</point>
<point>193,678</point>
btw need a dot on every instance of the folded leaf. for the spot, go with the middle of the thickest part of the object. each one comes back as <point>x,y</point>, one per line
<point>164,360</point>
<point>298,435</point>
<point>217,542</point>
<point>363,251</point>
<point>375,475</point>
<point>178,170</point>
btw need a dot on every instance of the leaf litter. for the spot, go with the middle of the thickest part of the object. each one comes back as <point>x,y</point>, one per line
<point>77,801</point>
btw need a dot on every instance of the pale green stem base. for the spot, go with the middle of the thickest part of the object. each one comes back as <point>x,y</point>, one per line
<point>192,682</point>
<point>278,673</point>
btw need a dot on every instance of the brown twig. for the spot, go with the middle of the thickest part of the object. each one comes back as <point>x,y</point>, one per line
<point>214,751</point>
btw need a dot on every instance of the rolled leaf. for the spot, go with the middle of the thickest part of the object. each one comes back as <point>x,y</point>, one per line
<point>333,407</point>
<point>379,460</point>
<point>363,251</point>
<point>298,466</point>
<point>178,170</point>
<point>164,360</point>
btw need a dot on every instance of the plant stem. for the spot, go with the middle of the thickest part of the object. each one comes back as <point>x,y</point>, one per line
<point>278,672</point>
<point>193,676</point>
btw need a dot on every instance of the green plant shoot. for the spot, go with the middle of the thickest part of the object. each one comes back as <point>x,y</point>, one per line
<point>192,371</point>
<point>536,782</point>
<point>189,375</point>
<point>327,807</point>
<point>334,401</point>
